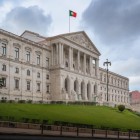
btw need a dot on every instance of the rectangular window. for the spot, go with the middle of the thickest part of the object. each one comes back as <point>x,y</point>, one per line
<point>104,78</point>
<point>48,76</point>
<point>38,86</point>
<point>17,53</point>
<point>17,70</point>
<point>28,56</point>
<point>4,81</point>
<point>3,49</point>
<point>28,85</point>
<point>38,75</point>
<point>3,67</point>
<point>47,62</point>
<point>16,84</point>
<point>48,88</point>
<point>38,59</point>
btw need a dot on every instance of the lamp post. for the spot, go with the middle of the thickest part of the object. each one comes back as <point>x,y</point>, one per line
<point>107,63</point>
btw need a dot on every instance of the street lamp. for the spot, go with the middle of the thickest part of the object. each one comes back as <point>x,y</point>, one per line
<point>107,63</point>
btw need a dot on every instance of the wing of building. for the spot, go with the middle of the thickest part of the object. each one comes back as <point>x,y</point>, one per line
<point>59,68</point>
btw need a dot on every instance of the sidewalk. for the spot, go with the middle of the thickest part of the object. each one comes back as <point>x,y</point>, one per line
<point>20,131</point>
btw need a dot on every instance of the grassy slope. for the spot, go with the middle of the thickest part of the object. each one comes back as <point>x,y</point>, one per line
<point>96,115</point>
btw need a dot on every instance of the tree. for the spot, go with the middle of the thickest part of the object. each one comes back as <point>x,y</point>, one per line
<point>121,108</point>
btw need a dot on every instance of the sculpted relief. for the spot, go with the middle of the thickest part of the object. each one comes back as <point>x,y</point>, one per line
<point>82,40</point>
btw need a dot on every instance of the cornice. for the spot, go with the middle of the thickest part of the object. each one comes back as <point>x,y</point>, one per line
<point>112,73</point>
<point>22,39</point>
<point>88,76</point>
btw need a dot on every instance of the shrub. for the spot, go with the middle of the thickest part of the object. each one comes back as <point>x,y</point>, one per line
<point>11,101</point>
<point>21,101</point>
<point>40,102</point>
<point>25,120</point>
<point>121,108</point>
<point>3,101</point>
<point>29,101</point>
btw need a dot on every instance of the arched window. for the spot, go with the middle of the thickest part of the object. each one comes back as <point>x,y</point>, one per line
<point>73,66</point>
<point>66,64</point>
<point>83,90</point>
<point>66,84</point>
<point>75,85</point>
<point>3,67</point>
<point>95,88</point>
<point>28,72</point>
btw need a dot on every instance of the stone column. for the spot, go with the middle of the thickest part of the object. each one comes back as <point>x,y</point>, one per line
<point>71,65</point>
<point>97,67</point>
<point>91,66</point>
<point>57,54</point>
<point>70,55</point>
<point>60,53</point>
<point>52,56</point>
<point>78,60</point>
<point>84,63</point>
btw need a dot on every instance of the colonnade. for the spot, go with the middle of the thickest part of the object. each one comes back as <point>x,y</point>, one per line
<point>59,51</point>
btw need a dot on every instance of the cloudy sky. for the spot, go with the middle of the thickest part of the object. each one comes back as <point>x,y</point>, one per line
<point>112,25</point>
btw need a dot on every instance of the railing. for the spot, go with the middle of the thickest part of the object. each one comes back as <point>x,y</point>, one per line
<point>45,129</point>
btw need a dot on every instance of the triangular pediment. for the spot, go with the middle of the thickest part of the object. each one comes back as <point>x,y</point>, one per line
<point>82,39</point>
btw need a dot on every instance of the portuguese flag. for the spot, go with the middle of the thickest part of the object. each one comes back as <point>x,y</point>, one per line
<point>72,14</point>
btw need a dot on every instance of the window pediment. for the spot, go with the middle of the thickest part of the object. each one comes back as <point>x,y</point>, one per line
<point>28,49</point>
<point>4,41</point>
<point>17,45</point>
<point>38,52</point>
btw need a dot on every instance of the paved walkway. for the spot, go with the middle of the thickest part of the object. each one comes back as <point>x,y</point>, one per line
<point>4,130</point>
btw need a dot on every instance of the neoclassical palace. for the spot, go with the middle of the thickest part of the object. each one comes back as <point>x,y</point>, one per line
<point>59,68</point>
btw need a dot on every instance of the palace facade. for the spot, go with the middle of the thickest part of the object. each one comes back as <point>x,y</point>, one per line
<point>59,68</point>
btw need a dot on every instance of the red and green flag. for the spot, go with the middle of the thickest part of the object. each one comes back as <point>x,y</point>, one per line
<point>72,13</point>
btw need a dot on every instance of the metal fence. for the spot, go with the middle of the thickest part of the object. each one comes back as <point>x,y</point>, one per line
<point>45,129</point>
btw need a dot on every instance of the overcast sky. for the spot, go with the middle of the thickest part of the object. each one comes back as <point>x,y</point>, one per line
<point>112,25</point>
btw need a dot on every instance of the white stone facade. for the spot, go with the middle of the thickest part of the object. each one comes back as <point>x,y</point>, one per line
<point>59,68</point>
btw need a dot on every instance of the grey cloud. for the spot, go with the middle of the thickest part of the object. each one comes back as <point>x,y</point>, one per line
<point>114,21</point>
<point>31,18</point>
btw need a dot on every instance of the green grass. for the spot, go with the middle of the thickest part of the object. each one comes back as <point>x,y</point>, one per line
<point>95,115</point>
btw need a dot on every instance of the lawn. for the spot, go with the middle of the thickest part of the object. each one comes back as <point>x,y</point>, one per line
<point>95,115</point>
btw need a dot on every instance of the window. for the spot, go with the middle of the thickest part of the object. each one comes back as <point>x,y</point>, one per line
<point>104,78</point>
<point>28,85</point>
<point>28,72</point>
<point>47,62</point>
<point>28,56</point>
<point>38,59</point>
<point>112,80</point>
<point>38,75</point>
<point>3,82</point>
<point>66,64</point>
<point>3,67</point>
<point>3,49</point>
<point>16,84</point>
<point>17,53</point>
<point>17,70</point>
<point>38,86</point>
<point>48,76</point>
<point>48,88</point>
